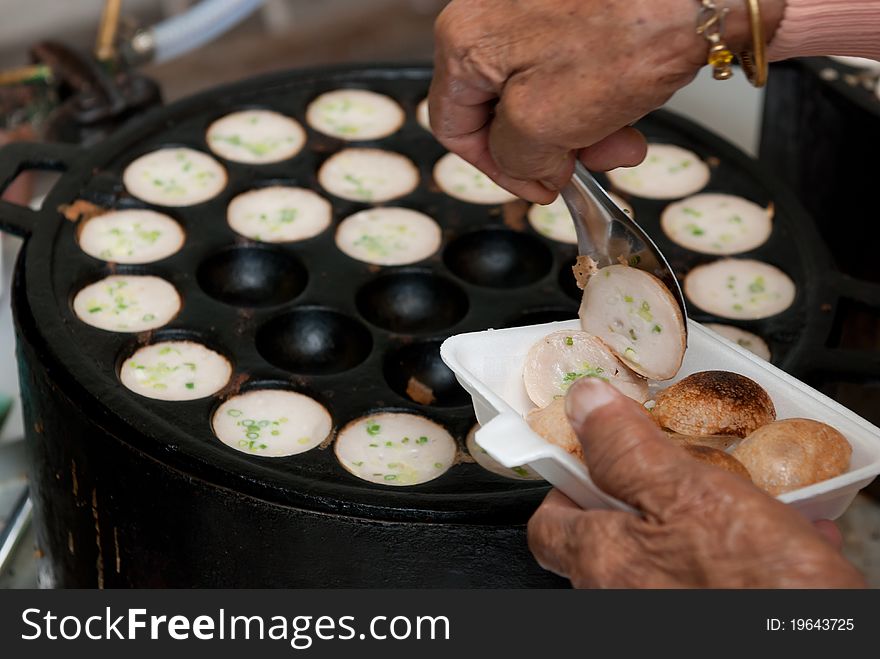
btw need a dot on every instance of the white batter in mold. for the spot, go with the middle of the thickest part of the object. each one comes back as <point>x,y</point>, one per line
<point>395,449</point>
<point>740,289</point>
<point>713,223</point>
<point>131,236</point>
<point>256,137</point>
<point>175,371</point>
<point>279,214</point>
<point>368,175</point>
<point>272,423</point>
<point>667,172</point>
<point>423,115</point>
<point>175,176</point>
<point>355,114</point>
<point>389,236</point>
<point>460,179</point>
<point>554,221</point>
<point>127,303</point>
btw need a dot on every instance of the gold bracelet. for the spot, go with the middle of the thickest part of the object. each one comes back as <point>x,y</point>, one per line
<point>710,23</point>
<point>754,61</point>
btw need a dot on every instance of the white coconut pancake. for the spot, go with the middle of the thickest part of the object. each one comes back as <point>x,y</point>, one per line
<point>368,175</point>
<point>272,423</point>
<point>741,289</point>
<point>562,358</point>
<point>460,179</point>
<point>355,114</point>
<point>423,115</point>
<point>636,316</point>
<point>751,342</point>
<point>176,371</point>
<point>712,223</point>
<point>554,221</point>
<point>123,303</point>
<point>395,449</point>
<point>489,463</point>
<point>389,236</point>
<point>256,137</point>
<point>279,214</point>
<point>667,172</point>
<point>131,236</point>
<point>175,176</point>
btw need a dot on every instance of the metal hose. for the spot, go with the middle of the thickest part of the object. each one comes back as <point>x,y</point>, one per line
<point>194,28</point>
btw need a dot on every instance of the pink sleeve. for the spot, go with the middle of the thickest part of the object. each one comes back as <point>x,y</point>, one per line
<point>828,27</point>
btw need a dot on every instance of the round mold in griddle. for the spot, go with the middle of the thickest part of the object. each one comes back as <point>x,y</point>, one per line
<point>252,276</point>
<point>137,438</point>
<point>314,341</point>
<point>271,422</point>
<point>255,137</point>
<point>498,258</point>
<point>416,372</point>
<point>175,177</point>
<point>127,303</point>
<point>395,449</point>
<point>412,301</point>
<point>529,275</point>
<point>175,371</point>
<point>131,236</point>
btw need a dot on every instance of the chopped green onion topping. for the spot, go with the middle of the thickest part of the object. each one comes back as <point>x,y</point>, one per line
<point>758,286</point>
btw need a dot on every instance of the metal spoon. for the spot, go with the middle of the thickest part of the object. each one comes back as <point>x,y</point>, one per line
<point>609,236</point>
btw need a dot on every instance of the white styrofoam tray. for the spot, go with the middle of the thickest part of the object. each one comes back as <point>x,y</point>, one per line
<point>489,366</point>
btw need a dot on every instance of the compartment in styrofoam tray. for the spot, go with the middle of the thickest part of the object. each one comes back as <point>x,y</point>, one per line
<point>489,366</point>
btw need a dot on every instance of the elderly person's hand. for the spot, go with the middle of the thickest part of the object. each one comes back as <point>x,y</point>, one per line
<point>697,525</point>
<point>521,88</point>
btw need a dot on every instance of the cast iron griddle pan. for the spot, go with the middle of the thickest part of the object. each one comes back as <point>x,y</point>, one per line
<point>492,271</point>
